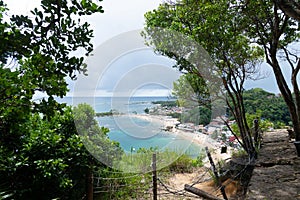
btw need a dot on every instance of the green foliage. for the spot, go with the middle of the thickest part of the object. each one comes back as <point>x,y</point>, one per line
<point>95,137</point>
<point>183,164</point>
<point>239,153</point>
<point>191,91</point>
<point>114,184</point>
<point>139,161</point>
<point>136,185</point>
<point>41,49</point>
<point>5,192</point>
<point>277,33</point>
<point>52,161</point>
<point>279,125</point>
<point>175,115</point>
<point>42,45</point>
<point>146,110</point>
<point>167,160</point>
<point>109,113</point>
<point>270,106</point>
<point>264,124</point>
<point>215,26</point>
<point>166,103</point>
<point>42,157</point>
<point>270,109</point>
<point>198,162</point>
<point>266,106</point>
<point>198,20</point>
<point>198,115</point>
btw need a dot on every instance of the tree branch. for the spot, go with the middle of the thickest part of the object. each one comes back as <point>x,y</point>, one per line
<point>290,8</point>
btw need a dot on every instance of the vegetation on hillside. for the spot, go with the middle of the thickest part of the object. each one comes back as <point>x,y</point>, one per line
<point>245,32</point>
<point>277,33</point>
<point>42,156</point>
<point>45,147</point>
<point>190,25</point>
<point>268,105</point>
<point>259,103</point>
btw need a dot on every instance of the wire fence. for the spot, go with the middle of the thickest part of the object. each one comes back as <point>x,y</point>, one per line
<point>140,186</point>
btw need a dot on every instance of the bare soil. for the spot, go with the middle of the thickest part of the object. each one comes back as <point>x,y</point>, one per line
<point>200,179</point>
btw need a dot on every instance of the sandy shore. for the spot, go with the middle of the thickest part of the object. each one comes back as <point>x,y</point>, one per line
<point>197,138</point>
<point>204,140</point>
<point>164,121</point>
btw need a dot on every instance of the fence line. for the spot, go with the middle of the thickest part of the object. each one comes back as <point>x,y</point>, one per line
<point>238,174</point>
<point>148,187</point>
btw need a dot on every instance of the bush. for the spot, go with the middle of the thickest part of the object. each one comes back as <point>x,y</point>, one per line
<point>147,110</point>
<point>184,164</point>
<point>198,162</point>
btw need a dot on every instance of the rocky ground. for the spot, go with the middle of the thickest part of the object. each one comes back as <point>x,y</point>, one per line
<point>276,174</point>
<point>277,170</point>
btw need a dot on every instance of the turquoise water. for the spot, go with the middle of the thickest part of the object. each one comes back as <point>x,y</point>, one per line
<point>159,139</point>
<point>136,133</point>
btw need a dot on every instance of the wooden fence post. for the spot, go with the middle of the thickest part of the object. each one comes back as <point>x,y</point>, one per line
<point>154,176</point>
<point>256,132</point>
<point>90,185</point>
<point>219,184</point>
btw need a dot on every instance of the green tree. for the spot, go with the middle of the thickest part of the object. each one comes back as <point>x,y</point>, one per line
<point>37,54</point>
<point>276,33</point>
<point>94,137</point>
<point>52,162</point>
<point>270,106</point>
<point>215,26</point>
<point>191,91</point>
<point>42,49</point>
<point>197,115</point>
<point>146,110</point>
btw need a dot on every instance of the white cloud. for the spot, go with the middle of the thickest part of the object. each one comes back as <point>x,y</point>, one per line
<point>152,93</point>
<point>120,16</point>
<point>137,93</point>
<point>21,7</point>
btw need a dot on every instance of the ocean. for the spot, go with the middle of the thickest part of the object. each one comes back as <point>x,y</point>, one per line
<point>136,133</point>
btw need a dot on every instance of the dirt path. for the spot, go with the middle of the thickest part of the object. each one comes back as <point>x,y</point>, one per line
<point>174,185</point>
<point>277,169</point>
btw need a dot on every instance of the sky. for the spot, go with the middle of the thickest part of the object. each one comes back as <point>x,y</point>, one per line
<point>115,59</point>
<point>119,18</point>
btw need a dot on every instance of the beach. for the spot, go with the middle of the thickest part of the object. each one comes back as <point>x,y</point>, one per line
<point>198,138</point>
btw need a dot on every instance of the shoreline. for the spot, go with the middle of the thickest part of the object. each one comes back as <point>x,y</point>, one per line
<point>197,138</point>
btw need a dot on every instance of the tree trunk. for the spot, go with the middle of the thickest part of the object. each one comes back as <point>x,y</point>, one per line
<point>237,109</point>
<point>297,101</point>
<point>290,8</point>
<point>287,96</point>
<point>296,125</point>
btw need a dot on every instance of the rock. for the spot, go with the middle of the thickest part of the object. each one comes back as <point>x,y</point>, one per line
<point>277,170</point>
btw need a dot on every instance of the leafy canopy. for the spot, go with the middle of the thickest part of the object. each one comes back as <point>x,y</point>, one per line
<point>42,157</point>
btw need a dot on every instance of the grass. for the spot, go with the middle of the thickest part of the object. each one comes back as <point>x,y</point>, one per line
<point>141,161</point>
<point>133,179</point>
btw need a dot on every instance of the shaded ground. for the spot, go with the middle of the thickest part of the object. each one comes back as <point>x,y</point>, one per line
<point>200,179</point>
<point>176,184</point>
<point>277,169</point>
<point>276,173</point>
